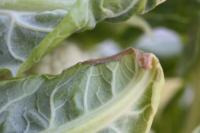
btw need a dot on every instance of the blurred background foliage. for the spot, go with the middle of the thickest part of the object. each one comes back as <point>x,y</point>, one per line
<point>172,32</point>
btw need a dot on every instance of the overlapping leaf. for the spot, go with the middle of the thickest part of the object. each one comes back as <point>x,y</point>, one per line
<point>119,94</point>
<point>25,25</point>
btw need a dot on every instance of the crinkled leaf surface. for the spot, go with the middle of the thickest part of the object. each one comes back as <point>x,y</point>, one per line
<point>31,28</point>
<point>119,94</point>
<point>21,32</point>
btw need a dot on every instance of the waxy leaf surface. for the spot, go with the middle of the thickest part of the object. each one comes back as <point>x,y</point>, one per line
<point>118,94</point>
<point>31,28</point>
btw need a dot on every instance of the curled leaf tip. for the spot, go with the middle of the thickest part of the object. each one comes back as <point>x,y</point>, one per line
<point>115,93</point>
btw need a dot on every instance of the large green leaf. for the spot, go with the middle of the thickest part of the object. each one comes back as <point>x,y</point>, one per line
<point>25,25</point>
<point>119,94</point>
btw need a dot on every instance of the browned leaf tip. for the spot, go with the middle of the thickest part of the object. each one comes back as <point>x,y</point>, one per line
<point>145,60</point>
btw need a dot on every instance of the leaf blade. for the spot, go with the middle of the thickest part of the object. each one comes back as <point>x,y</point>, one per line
<point>56,103</point>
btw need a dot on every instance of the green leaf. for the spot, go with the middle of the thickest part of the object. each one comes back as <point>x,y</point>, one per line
<point>31,28</point>
<point>115,94</point>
